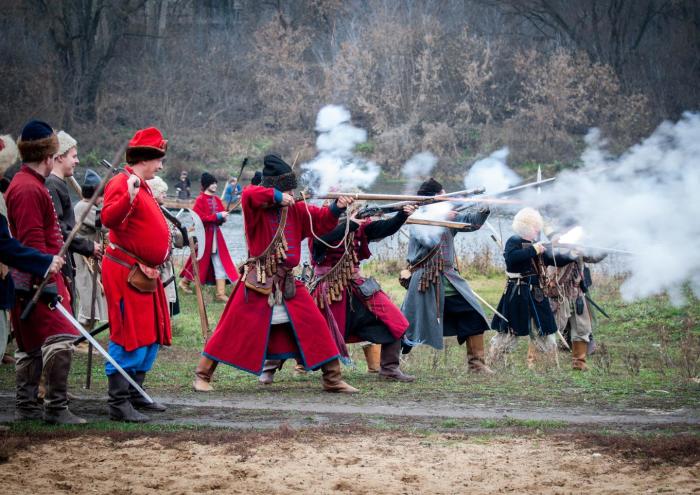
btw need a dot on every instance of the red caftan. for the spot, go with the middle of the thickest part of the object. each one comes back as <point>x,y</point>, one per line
<point>207,206</point>
<point>136,318</point>
<point>243,337</point>
<point>33,222</point>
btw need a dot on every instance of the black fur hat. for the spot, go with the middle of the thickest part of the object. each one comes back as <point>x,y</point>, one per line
<point>278,174</point>
<point>37,141</point>
<point>430,187</point>
<point>207,180</point>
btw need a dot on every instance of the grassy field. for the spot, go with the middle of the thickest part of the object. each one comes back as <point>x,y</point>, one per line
<point>649,356</point>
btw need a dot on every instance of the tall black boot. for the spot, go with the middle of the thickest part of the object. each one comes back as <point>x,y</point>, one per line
<point>120,409</point>
<point>28,374</point>
<point>137,399</point>
<point>57,361</point>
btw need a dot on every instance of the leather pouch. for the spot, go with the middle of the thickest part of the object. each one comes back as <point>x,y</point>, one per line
<point>290,287</point>
<point>143,278</point>
<point>405,278</point>
<point>537,293</point>
<point>579,305</point>
<point>252,283</point>
<point>369,287</point>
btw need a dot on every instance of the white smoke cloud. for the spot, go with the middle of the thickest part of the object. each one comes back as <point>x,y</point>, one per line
<point>336,166</point>
<point>429,235</point>
<point>645,201</point>
<point>492,173</point>
<point>417,169</point>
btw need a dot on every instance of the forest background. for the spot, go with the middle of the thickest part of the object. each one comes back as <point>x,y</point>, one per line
<point>461,78</point>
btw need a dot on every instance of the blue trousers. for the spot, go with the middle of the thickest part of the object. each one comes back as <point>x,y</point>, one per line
<point>140,359</point>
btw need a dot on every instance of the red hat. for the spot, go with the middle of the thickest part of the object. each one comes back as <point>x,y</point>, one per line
<point>147,144</point>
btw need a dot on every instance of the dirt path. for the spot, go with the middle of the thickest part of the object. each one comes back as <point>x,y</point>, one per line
<point>270,410</point>
<point>358,464</point>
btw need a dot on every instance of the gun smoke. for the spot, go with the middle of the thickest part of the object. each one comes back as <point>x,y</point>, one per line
<point>492,173</point>
<point>416,169</point>
<point>336,166</point>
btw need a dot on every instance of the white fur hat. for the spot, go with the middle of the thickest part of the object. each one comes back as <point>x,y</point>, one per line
<point>9,153</point>
<point>158,186</point>
<point>65,142</point>
<point>527,221</point>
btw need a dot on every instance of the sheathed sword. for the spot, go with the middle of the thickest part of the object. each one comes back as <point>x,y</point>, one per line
<point>56,305</point>
<point>595,305</point>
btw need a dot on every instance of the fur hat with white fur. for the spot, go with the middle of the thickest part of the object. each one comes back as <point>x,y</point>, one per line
<point>527,223</point>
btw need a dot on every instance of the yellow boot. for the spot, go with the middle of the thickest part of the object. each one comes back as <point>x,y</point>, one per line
<point>185,286</point>
<point>475,355</point>
<point>532,354</point>
<point>221,290</point>
<point>203,374</point>
<point>578,353</point>
<point>372,356</point>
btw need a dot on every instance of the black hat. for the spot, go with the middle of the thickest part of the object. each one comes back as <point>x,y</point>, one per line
<point>278,174</point>
<point>207,180</point>
<point>37,141</point>
<point>257,178</point>
<point>91,181</point>
<point>430,187</point>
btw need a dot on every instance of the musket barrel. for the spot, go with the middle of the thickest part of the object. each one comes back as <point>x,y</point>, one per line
<point>438,223</point>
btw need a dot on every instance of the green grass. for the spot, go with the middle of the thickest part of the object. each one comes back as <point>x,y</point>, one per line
<point>648,358</point>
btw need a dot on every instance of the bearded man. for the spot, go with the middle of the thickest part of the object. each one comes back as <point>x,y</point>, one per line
<point>271,314</point>
<point>139,243</point>
<point>45,337</point>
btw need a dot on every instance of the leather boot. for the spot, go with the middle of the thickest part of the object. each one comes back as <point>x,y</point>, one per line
<point>475,355</point>
<point>221,290</point>
<point>27,373</point>
<point>332,379</point>
<point>532,354</point>
<point>137,399</point>
<point>578,353</point>
<point>184,286</point>
<point>389,363</point>
<point>372,356</point>
<point>203,374</point>
<point>269,369</point>
<point>56,370</point>
<point>299,369</point>
<point>120,409</point>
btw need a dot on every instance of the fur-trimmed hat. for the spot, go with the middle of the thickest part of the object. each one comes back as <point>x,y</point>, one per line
<point>158,186</point>
<point>207,180</point>
<point>147,144</point>
<point>8,152</point>
<point>527,222</point>
<point>65,142</point>
<point>37,142</point>
<point>257,178</point>
<point>278,174</point>
<point>430,187</point>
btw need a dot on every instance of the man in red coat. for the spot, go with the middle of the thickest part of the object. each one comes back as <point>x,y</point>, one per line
<point>271,314</point>
<point>216,264</point>
<point>45,338</point>
<point>139,242</point>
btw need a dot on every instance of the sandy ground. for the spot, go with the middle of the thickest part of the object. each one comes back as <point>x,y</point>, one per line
<point>383,463</point>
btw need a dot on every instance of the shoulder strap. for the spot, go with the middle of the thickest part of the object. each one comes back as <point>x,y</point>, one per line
<point>425,259</point>
<point>275,238</point>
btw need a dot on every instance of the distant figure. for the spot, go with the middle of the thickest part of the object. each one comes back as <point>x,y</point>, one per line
<point>232,193</point>
<point>182,187</point>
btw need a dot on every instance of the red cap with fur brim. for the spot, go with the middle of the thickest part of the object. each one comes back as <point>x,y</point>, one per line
<point>147,144</point>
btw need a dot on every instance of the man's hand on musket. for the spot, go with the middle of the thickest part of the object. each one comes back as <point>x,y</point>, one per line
<point>409,209</point>
<point>133,183</point>
<point>56,265</point>
<point>287,199</point>
<point>539,248</point>
<point>344,201</point>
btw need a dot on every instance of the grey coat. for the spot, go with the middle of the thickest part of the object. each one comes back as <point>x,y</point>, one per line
<point>420,308</point>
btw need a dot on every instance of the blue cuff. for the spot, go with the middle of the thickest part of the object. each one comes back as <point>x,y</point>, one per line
<point>219,216</point>
<point>278,196</point>
<point>335,209</point>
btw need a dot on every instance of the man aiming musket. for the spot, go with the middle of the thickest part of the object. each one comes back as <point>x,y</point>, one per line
<point>439,302</point>
<point>139,242</point>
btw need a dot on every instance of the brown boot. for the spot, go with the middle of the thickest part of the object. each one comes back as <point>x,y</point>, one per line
<point>185,286</point>
<point>390,363</point>
<point>578,353</point>
<point>475,355</point>
<point>332,379</point>
<point>299,369</point>
<point>372,356</point>
<point>203,373</point>
<point>28,373</point>
<point>221,290</point>
<point>532,354</point>
<point>270,367</point>
<point>57,354</point>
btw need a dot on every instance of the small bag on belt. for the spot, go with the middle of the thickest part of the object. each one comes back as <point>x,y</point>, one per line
<point>143,278</point>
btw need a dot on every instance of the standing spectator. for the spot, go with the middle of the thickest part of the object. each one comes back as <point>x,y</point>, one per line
<point>182,187</point>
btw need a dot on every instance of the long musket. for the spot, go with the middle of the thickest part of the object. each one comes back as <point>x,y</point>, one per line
<point>56,305</point>
<point>511,190</point>
<point>203,320</point>
<point>370,211</point>
<point>64,249</point>
<point>438,223</point>
<point>403,197</point>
